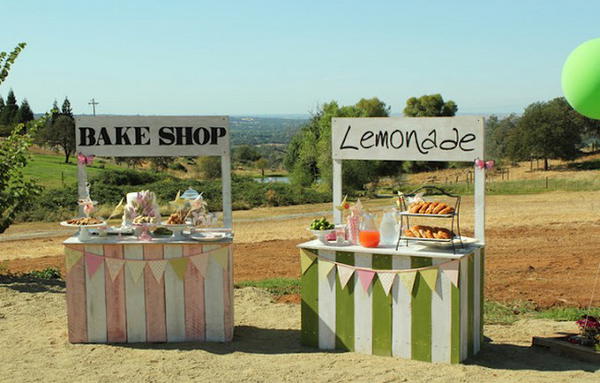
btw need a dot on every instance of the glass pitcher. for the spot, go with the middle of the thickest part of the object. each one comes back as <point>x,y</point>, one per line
<point>387,229</point>
<point>368,235</point>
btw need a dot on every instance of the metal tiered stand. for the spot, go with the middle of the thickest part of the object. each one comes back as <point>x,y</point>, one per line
<point>406,215</point>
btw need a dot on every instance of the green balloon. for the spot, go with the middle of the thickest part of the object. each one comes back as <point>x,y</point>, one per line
<point>581,79</point>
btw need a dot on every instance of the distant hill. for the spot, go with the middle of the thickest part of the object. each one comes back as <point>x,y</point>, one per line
<point>263,130</point>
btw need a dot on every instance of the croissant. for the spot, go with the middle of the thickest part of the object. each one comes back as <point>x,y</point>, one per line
<point>420,231</point>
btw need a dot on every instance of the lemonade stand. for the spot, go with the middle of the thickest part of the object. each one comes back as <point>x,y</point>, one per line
<point>128,287</point>
<point>413,300</point>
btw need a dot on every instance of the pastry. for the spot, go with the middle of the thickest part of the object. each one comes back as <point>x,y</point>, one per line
<point>447,210</point>
<point>84,221</point>
<point>421,231</point>
<point>441,206</point>
<point>430,208</point>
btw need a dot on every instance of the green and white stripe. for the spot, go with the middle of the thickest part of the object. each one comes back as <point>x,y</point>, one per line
<point>441,325</point>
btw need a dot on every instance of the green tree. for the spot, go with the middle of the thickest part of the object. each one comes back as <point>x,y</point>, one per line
<point>547,130</point>
<point>210,167</point>
<point>262,164</point>
<point>9,111</point>
<point>432,105</point>
<point>66,108</point>
<point>161,163</point>
<point>499,135</point>
<point>24,114</point>
<point>245,154</point>
<point>16,192</point>
<point>61,135</point>
<point>309,153</point>
<point>1,104</point>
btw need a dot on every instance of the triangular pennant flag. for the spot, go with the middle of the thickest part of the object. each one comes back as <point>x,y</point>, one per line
<point>325,268</point>
<point>306,259</point>
<point>220,256</point>
<point>408,279</point>
<point>179,266</point>
<point>158,268</point>
<point>92,262</point>
<point>365,277</point>
<point>387,280</point>
<point>450,270</point>
<point>114,266</point>
<point>344,273</point>
<point>200,262</point>
<point>136,269</point>
<point>71,258</point>
<point>430,277</point>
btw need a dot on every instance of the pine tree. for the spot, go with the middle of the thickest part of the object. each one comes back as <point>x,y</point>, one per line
<point>1,104</point>
<point>9,111</point>
<point>66,108</point>
<point>24,114</point>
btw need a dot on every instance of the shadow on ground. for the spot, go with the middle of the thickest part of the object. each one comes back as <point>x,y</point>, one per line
<point>24,284</point>
<point>247,339</point>
<point>502,356</point>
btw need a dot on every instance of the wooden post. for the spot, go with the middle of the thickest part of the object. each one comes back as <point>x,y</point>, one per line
<point>81,185</point>
<point>479,201</point>
<point>337,191</point>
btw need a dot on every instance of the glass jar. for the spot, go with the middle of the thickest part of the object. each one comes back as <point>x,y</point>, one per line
<point>387,229</point>
<point>368,235</point>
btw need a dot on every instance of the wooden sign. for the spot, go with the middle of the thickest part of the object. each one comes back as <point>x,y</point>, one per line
<point>152,136</point>
<point>408,138</point>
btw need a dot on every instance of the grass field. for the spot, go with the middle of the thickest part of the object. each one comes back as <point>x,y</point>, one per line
<point>51,170</point>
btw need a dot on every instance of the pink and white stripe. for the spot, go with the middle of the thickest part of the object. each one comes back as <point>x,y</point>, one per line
<point>147,310</point>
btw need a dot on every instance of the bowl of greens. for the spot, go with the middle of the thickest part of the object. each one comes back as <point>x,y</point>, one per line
<point>322,229</point>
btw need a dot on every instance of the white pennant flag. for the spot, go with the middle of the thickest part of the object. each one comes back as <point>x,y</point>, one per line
<point>114,266</point>
<point>325,268</point>
<point>136,269</point>
<point>200,261</point>
<point>345,273</point>
<point>387,280</point>
<point>158,268</point>
<point>450,269</point>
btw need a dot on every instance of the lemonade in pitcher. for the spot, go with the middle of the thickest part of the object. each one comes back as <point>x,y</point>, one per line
<point>368,235</point>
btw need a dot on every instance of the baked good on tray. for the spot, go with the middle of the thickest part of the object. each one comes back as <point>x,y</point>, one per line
<point>421,231</point>
<point>84,221</point>
<point>430,208</point>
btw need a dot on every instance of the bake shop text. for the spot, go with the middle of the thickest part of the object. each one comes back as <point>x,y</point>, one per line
<point>140,135</point>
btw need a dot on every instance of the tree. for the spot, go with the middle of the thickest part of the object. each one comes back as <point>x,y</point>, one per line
<point>1,104</point>
<point>24,114</point>
<point>16,192</point>
<point>499,135</point>
<point>245,154</point>
<point>262,164</point>
<point>10,109</point>
<point>66,108</point>
<point>308,155</point>
<point>210,166</point>
<point>161,163</point>
<point>547,130</point>
<point>61,134</point>
<point>432,105</point>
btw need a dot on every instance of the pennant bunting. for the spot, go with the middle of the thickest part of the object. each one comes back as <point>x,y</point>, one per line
<point>158,268</point>
<point>306,259</point>
<point>387,280</point>
<point>325,268</point>
<point>71,258</point>
<point>220,256</point>
<point>408,280</point>
<point>365,277</point>
<point>179,266</point>
<point>114,266</point>
<point>450,270</point>
<point>344,273</point>
<point>200,262</point>
<point>92,262</point>
<point>136,269</point>
<point>430,277</point>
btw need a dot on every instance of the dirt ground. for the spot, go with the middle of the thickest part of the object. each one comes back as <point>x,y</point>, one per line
<point>265,348</point>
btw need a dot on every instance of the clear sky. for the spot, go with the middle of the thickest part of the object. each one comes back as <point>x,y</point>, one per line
<point>285,57</point>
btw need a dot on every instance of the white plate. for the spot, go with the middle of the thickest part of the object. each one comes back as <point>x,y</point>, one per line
<point>64,223</point>
<point>447,244</point>
<point>208,236</point>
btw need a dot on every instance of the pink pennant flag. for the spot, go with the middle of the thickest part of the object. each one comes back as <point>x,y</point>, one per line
<point>365,277</point>
<point>387,280</point>
<point>92,263</point>
<point>158,268</point>
<point>200,262</point>
<point>114,266</point>
<point>345,273</point>
<point>450,269</point>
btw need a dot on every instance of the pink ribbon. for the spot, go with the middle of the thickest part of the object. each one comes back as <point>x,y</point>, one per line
<point>484,165</point>
<point>82,159</point>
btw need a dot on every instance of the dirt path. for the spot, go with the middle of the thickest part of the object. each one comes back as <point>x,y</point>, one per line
<point>265,348</point>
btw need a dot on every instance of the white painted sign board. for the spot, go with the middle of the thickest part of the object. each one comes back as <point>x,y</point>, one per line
<point>457,139</point>
<point>156,136</point>
<point>408,139</point>
<point>152,136</point>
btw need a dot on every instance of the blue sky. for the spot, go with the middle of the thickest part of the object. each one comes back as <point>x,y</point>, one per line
<point>286,57</point>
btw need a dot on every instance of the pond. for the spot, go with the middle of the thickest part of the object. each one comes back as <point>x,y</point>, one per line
<point>272,179</point>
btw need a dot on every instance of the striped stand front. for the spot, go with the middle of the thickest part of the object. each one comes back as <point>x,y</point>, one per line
<point>442,325</point>
<point>134,308</point>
